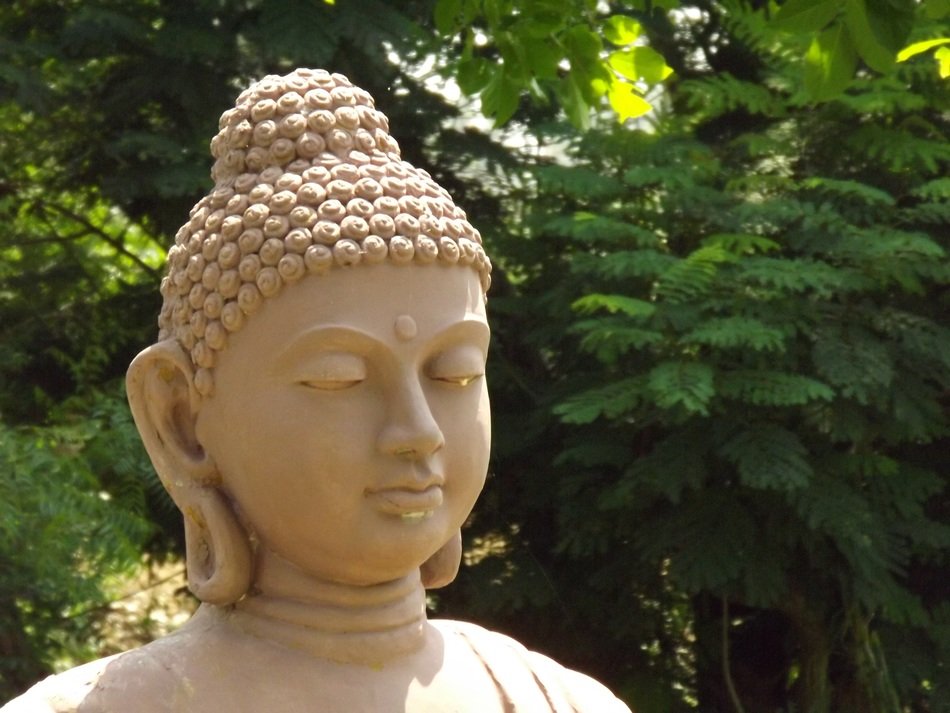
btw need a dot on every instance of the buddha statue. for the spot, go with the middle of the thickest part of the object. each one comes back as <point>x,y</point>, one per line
<point>316,407</point>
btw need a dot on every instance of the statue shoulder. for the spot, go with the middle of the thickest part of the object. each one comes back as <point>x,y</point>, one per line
<point>519,673</point>
<point>62,693</point>
<point>145,675</point>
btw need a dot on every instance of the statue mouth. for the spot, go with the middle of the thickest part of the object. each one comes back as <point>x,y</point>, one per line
<point>410,504</point>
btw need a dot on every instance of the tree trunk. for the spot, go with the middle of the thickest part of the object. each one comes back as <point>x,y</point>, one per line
<point>814,644</point>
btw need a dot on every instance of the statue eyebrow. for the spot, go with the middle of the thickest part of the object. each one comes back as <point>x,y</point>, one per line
<point>342,337</point>
<point>324,337</point>
<point>475,327</point>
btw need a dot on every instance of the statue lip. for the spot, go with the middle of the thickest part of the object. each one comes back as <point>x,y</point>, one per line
<point>404,500</point>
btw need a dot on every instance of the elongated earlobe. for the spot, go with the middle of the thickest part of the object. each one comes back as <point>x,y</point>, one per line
<point>440,569</point>
<point>165,403</point>
<point>217,549</point>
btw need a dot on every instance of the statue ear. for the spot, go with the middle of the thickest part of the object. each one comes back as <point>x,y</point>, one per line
<point>164,402</point>
<point>161,390</point>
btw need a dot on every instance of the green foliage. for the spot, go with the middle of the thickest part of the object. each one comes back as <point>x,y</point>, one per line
<point>682,384</point>
<point>72,513</point>
<point>769,456</point>
<point>551,51</point>
<point>610,401</point>
<point>845,31</point>
<point>560,51</point>
<point>737,333</point>
<point>766,387</point>
<point>749,352</point>
<point>942,54</point>
<point>830,63</point>
<point>806,15</point>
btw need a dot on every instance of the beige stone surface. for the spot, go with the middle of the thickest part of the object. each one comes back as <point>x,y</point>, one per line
<point>325,445</point>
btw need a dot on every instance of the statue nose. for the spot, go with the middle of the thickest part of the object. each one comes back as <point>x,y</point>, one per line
<point>411,430</point>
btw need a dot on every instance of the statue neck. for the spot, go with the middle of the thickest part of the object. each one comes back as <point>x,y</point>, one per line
<point>342,622</point>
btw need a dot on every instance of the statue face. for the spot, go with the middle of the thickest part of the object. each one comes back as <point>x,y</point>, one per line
<point>350,419</point>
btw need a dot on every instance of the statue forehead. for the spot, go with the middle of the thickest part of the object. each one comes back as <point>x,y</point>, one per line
<point>393,303</point>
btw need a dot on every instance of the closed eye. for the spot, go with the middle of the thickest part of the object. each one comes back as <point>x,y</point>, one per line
<point>458,380</point>
<point>330,384</point>
<point>333,371</point>
<point>459,365</point>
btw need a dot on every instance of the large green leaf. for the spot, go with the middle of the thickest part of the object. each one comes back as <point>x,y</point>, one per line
<point>937,9</point>
<point>922,46</point>
<point>942,56</point>
<point>806,15</point>
<point>542,58</point>
<point>636,63</point>
<point>447,14</point>
<point>500,96</point>
<point>830,63</point>
<point>621,30</point>
<point>474,73</point>
<point>624,63</point>
<point>871,48</point>
<point>573,101</point>
<point>626,101</point>
<point>891,21</point>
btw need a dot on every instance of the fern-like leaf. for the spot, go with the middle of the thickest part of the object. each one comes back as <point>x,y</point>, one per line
<point>801,275</point>
<point>624,264</point>
<point>724,93</point>
<point>768,456</point>
<point>610,401</point>
<point>741,243</point>
<point>868,195</point>
<point>593,228</point>
<point>685,384</point>
<point>577,182</point>
<point>609,339</point>
<point>737,332</point>
<point>901,149</point>
<point>693,276</point>
<point>937,189</point>
<point>630,306</point>
<point>705,539</point>
<point>854,362</point>
<point>765,387</point>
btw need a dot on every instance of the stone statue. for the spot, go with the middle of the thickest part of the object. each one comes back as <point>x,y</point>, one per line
<point>316,406</point>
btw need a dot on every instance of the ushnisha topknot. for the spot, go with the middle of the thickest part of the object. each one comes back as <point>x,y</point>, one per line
<point>307,179</point>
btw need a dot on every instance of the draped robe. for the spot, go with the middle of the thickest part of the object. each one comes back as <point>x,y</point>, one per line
<point>485,672</point>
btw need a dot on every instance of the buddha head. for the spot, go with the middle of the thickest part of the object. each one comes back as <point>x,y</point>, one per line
<point>317,389</point>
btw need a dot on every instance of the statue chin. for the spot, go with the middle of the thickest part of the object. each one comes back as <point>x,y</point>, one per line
<point>316,406</point>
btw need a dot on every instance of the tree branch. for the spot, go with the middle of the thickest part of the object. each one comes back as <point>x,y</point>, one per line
<point>726,668</point>
<point>117,244</point>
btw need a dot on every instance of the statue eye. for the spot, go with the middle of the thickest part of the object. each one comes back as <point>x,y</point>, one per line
<point>458,380</point>
<point>334,371</point>
<point>330,384</point>
<point>459,366</point>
